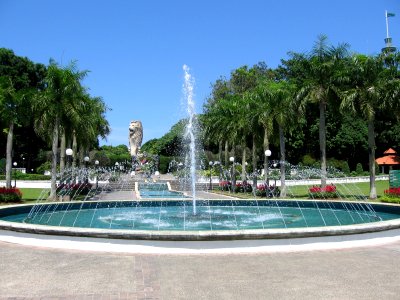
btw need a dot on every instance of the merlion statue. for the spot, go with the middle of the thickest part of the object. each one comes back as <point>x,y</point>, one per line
<point>135,138</point>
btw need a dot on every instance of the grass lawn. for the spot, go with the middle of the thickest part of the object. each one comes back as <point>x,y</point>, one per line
<point>348,190</point>
<point>32,194</point>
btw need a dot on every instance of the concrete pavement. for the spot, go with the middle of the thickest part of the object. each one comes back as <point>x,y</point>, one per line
<point>43,273</point>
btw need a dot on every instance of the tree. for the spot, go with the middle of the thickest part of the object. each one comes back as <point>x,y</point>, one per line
<point>371,88</point>
<point>285,114</point>
<point>18,78</point>
<point>58,101</point>
<point>319,78</point>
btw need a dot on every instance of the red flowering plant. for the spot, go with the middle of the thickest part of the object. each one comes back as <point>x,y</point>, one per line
<point>263,190</point>
<point>10,195</point>
<point>225,185</point>
<point>243,187</point>
<point>393,192</point>
<point>318,192</point>
<point>74,188</point>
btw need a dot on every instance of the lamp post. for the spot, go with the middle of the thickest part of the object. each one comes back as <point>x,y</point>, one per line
<point>267,154</point>
<point>86,160</point>
<point>217,163</point>
<point>275,165</point>
<point>232,160</point>
<point>117,166</point>
<point>15,173</point>
<point>69,152</point>
<point>210,164</point>
<point>96,163</point>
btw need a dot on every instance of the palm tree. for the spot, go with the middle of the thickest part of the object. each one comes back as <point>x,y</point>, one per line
<point>56,102</point>
<point>265,118</point>
<point>319,76</point>
<point>372,88</point>
<point>251,109</point>
<point>284,113</point>
<point>92,122</point>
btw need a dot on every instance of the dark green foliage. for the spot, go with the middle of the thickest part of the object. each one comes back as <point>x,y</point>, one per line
<point>346,168</point>
<point>46,166</point>
<point>359,169</point>
<point>10,195</point>
<point>2,165</point>
<point>168,145</point>
<point>22,176</point>
<point>164,163</point>
<point>109,155</point>
<point>308,160</point>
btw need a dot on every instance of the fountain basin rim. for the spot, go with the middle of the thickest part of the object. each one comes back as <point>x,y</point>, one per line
<point>198,235</point>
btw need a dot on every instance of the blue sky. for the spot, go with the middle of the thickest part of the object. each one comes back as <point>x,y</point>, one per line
<point>135,50</point>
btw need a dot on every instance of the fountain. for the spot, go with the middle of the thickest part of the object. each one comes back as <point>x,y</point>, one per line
<point>176,217</point>
<point>190,133</point>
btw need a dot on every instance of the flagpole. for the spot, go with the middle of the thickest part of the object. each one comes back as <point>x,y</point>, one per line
<point>387,24</point>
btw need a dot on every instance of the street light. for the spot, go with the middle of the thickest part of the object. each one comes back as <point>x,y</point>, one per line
<point>232,160</point>
<point>96,163</point>
<point>210,164</point>
<point>267,154</point>
<point>69,152</point>
<point>86,160</point>
<point>116,167</point>
<point>217,163</point>
<point>15,174</point>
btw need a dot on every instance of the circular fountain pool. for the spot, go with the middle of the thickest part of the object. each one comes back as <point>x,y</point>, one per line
<point>214,219</point>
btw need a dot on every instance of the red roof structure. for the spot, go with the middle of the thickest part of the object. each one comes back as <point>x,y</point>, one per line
<point>389,151</point>
<point>390,158</point>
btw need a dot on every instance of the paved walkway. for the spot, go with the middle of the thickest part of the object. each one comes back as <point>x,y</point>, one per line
<point>42,273</point>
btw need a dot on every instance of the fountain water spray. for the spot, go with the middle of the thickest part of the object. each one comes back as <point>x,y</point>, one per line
<point>190,130</point>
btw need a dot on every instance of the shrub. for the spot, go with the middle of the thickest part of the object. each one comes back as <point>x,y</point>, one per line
<point>317,192</point>
<point>308,160</point>
<point>391,195</point>
<point>346,168</point>
<point>46,166</point>
<point>261,190</point>
<point>224,185</point>
<point>74,189</point>
<point>392,192</point>
<point>10,195</point>
<point>267,191</point>
<point>23,176</point>
<point>243,187</point>
<point>359,169</point>
<point>164,163</point>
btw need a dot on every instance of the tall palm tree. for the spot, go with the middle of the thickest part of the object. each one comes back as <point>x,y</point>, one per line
<point>265,118</point>
<point>319,76</point>
<point>56,102</point>
<point>371,89</point>
<point>251,109</point>
<point>284,114</point>
<point>92,123</point>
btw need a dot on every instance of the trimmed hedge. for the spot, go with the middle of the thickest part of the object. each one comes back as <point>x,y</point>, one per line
<point>22,176</point>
